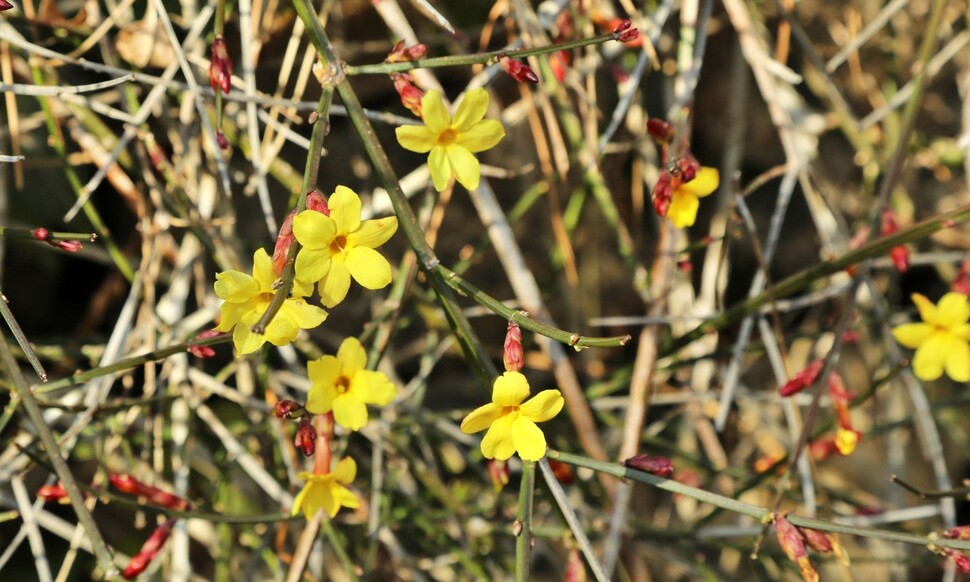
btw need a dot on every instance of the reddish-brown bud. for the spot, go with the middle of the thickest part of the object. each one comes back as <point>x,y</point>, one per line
<point>222,141</point>
<point>286,408</point>
<point>898,254</point>
<point>314,201</point>
<point>317,203</point>
<point>70,246</point>
<point>623,33</point>
<point>803,379</point>
<point>4,5</point>
<point>410,95</point>
<point>563,472</point>
<point>662,193</point>
<point>659,466</point>
<point>498,473</point>
<point>54,492</point>
<point>306,436</point>
<point>793,544</point>
<point>560,62</point>
<point>220,67</point>
<point>513,355</point>
<point>959,559</point>
<point>686,167</point>
<point>518,70</point>
<point>660,130</point>
<point>128,484</point>
<point>149,550</point>
<point>204,351</point>
<point>401,53</point>
<point>960,532</point>
<point>685,266</point>
<point>816,540</point>
<point>41,233</point>
<point>961,284</point>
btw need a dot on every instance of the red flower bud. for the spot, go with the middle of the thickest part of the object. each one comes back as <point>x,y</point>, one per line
<point>559,62</point>
<point>410,95</point>
<point>314,201</point>
<point>128,484</point>
<point>959,559</point>
<point>71,246</point>
<point>662,193</point>
<point>40,233</point>
<point>222,141</point>
<point>149,550</point>
<point>317,203</point>
<point>4,5</point>
<point>286,408</point>
<point>306,436</point>
<point>898,254</point>
<point>803,379</point>
<point>204,351</point>
<point>563,472</point>
<point>961,284</point>
<point>623,33</point>
<point>622,25</point>
<point>518,70</point>
<point>816,540</point>
<point>960,532</point>
<point>792,542</point>
<point>220,67</point>
<point>687,167</point>
<point>498,472</point>
<point>513,356</point>
<point>401,53</point>
<point>54,492</point>
<point>659,466</point>
<point>660,130</point>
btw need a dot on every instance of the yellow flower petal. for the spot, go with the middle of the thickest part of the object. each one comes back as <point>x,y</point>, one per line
<point>482,136</point>
<point>320,399</point>
<point>312,264</point>
<point>912,335</point>
<point>704,183</point>
<point>345,471</point>
<point>369,268</point>
<point>962,331</point>
<point>235,286</point>
<point>352,357</point>
<point>440,168</point>
<point>928,361</point>
<point>323,371</point>
<point>373,233</point>
<point>373,388</point>
<point>471,110</point>
<point>465,166</point>
<point>927,310</point>
<point>416,138</point>
<point>345,210</point>
<point>953,309</point>
<point>683,208</point>
<point>510,389</point>
<point>245,340</point>
<point>349,412</point>
<point>281,330</point>
<point>300,501</point>
<point>481,418</point>
<point>263,270</point>
<point>230,314</point>
<point>957,363</point>
<point>314,230</point>
<point>304,315</point>
<point>498,443</point>
<point>333,288</point>
<point>542,406</point>
<point>846,441</point>
<point>434,113</point>
<point>344,498</point>
<point>529,441</point>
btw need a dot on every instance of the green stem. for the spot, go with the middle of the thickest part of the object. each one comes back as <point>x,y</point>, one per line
<point>475,59</point>
<point>338,548</point>
<point>29,233</point>
<point>101,551</point>
<point>798,281</point>
<point>523,520</point>
<point>21,338</point>
<point>762,514</point>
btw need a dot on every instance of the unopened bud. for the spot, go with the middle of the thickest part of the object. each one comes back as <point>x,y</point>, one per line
<point>286,408</point>
<point>306,436</point>
<point>563,472</point>
<point>220,67</point>
<point>898,254</point>
<point>222,141</point>
<point>204,351</point>
<point>40,233</point>
<point>961,284</point>
<point>128,484</point>
<point>793,544</point>
<point>624,33</point>
<point>498,473</point>
<point>816,540</point>
<point>317,203</point>
<point>410,95</point>
<point>659,466</point>
<point>70,246</point>
<point>959,559</point>
<point>54,492</point>
<point>803,379</point>
<point>687,167</point>
<point>401,53</point>
<point>314,201</point>
<point>149,550</point>
<point>513,356</point>
<point>960,532</point>
<point>4,5</point>
<point>518,70</point>
<point>662,193</point>
<point>660,130</point>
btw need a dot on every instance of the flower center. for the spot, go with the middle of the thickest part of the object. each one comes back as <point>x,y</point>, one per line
<point>342,385</point>
<point>338,245</point>
<point>509,410</point>
<point>447,137</point>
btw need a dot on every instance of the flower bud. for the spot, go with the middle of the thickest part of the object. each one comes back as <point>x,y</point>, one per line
<point>662,193</point>
<point>286,408</point>
<point>687,167</point>
<point>899,254</point>
<point>498,473</point>
<point>204,352</point>
<point>128,484</point>
<point>222,141</point>
<point>54,492</point>
<point>518,70</point>
<point>961,284</point>
<point>623,33</point>
<point>791,541</point>
<point>220,66</point>
<point>317,203</point>
<point>959,559</point>
<point>513,356</point>
<point>306,436</point>
<point>71,246</point>
<point>960,532</point>
<point>402,54</point>
<point>659,466</point>
<point>314,201</point>
<point>816,540</point>
<point>149,550</point>
<point>4,5</point>
<point>803,379</point>
<point>563,472</point>
<point>40,233</point>
<point>660,130</point>
<point>410,95</point>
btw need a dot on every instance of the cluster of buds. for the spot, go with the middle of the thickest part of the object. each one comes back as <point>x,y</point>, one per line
<point>900,253</point>
<point>959,558</point>
<point>513,355</point>
<point>403,54</point>
<point>306,435</point>
<point>220,66</point>
<point>682,170</point>
<point>518,70</point>
<point>314,201</point>
<point>624,32</point>
<point>846,437</point>
<point>410,94</point>
<point>71,246</point>
<point>961,284</point>
<point>659,466</point>
<point>204,352</point>
<point>795,542</point>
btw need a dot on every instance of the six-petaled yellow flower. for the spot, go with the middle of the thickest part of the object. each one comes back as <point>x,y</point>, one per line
<point>327,491</point>
<point>685,199</point>
<point>941,340</point>
<point>452,141</point>
<point>246,299</point>
<point>511,423</point>
<point>341,384</point>
<point>341,246</point>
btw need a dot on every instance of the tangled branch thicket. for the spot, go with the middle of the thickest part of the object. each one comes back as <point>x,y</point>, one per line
<point>287,244</point>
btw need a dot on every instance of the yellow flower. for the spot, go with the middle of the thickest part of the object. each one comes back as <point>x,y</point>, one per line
<point>511,423</point>
<point>452,141</point>
<point>327,492</point>
<point>685,200</point>
<point>941,340</point>
<point>341,245</point>
<point>341,384</point>
<point>247,298</point>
